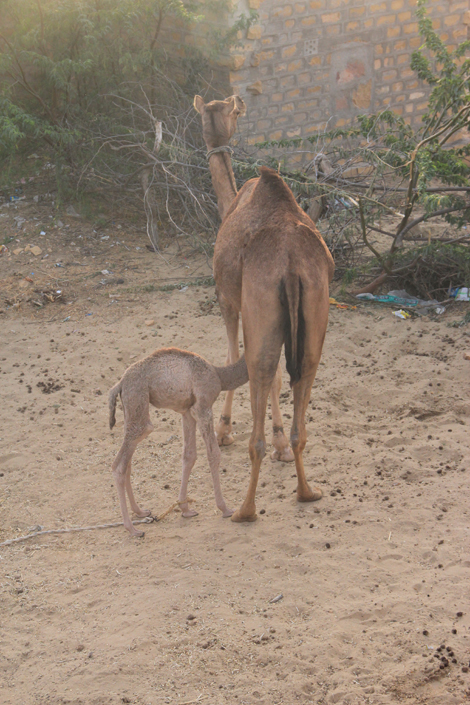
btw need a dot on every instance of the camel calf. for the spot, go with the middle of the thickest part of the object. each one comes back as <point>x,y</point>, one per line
<point>171,379</point>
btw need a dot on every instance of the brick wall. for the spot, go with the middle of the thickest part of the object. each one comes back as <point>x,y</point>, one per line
<point>315,63</point>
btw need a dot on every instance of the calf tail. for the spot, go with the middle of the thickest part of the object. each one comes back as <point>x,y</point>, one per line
<point>113,395</point>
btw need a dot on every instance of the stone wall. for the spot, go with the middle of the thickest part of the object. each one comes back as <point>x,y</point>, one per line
<point>313,64</point>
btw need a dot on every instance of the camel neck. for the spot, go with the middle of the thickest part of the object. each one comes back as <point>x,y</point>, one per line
<point>223,180</point>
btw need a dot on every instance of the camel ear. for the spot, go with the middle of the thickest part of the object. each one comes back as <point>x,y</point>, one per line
<point>199,104</point>
<point>240,105</point>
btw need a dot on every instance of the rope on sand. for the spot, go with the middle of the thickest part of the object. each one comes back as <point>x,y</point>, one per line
<point>147,520</point>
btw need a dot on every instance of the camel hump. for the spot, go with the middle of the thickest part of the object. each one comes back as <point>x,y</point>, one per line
<point>275,185</point>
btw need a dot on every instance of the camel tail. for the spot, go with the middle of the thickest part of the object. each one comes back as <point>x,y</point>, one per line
<point>113,395</point>
<point>291,292</point>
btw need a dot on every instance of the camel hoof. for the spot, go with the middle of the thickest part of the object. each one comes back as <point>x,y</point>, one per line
<point>238,517</point>
<point>310,495</point>
<point>143,513</point>
<point>285,456</point>
<point>227,513</point>
<point>189,513</point>
<point>225,440</point>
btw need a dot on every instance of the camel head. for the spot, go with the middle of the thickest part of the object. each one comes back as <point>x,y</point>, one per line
<point>219,119</point>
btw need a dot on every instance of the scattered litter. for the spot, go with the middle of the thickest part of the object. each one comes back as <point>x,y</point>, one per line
<point>66,319</point>
<point>105,271</point>
<point>333,302</point>
<point>3,248</point>
<point>43,232</point>
<point>60,224</point>
<point>70,210</point>
<point>150,322</point>
<point>36,199</point>
<point>402,298</point>
<point>278,598</point>
<point>402,314</point>
<point>58,264</point>
<point>105,237</point>
<point>184,288</point>
<point>461,294</point>
<point>89,314</point>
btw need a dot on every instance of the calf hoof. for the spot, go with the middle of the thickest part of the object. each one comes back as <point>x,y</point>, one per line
<point>137,534</point>
<point>189,513</point>
<point>309,495</point>
<point>240,516</point>
<point>227,513</point>
<point>143,513</point>
<point>285,456</point>
<point>225,440</point>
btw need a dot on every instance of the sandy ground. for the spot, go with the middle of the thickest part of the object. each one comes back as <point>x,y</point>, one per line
<point>373,577</point>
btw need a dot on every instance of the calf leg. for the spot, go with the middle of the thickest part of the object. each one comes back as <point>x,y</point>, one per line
<point>224,427</point>
<point>206,427</point>
<point>189,458</point>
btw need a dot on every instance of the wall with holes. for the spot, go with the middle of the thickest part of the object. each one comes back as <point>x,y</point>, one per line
<point>315,64</point>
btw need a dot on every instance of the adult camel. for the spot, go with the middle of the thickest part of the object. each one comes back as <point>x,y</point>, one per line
<point>272,266</point>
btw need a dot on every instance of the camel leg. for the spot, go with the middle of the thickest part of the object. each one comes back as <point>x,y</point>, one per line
<point>206,427</point>
<point>122,470</point>
<point>298,438</point>
<point>259,393</point>
<point>224,427</point>
<point>141,513</point>
<point>189,458</point>
<point>282,450</point>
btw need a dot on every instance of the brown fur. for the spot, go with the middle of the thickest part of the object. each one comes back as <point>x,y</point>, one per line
<point>272,266</point>
<point>171,379</point>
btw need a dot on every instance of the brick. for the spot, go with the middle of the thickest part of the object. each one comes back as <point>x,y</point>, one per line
<point>303,78</point>
<point>314,89</point>
<point>237,61</point>
<point>399,46</point>
<point>293,93</point>
<point>342,122</point>
<point>379,49</point>
<point>308,21</point>
<point>281,120</point>
<point>286,81</point>
<point>361,97</point>
<point>368,24</point>
<point>415,42</point>
<point>254,32</point>
<point>386,19</point>
<point>396,4</point>
<point>410,28</point>
<point>397,86</point>
<point>417,95</point>
<point>333,30</point>
<point>409,108</point>
<point>287,107</point>
<point>300,117</point>
<point>466,17</point>
<point>378,7</point>
<point>331,17</point>
<point>315,61</point>
<point>451,20</point>
<point>422,106</point>
<point>288,24</point>
<point>277,97</point>
<point>280,67</point>
<point>352,26</point>
<point>255,88</point>
<point>341,103</point>
<point>356,11</point>
<point>263,124</point>
<point>436,23</point>
<point>389,75</point>
<point>287,52</point>
<point>300,7</point>
<point>411,85</point>
<point>403,59</point>
<point>254,4</point>
<point>393,32</point>
<point>255,139</point>
<point>386,102</point>
<point>383,89</point>
<point>265,55</point>
<point>377,64</point>
<point>295,65</point>
<point>285,11</point>
<point>316,4</point>
<point>293,132</point>
<point>276,135</point>
<point>397,110</point>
